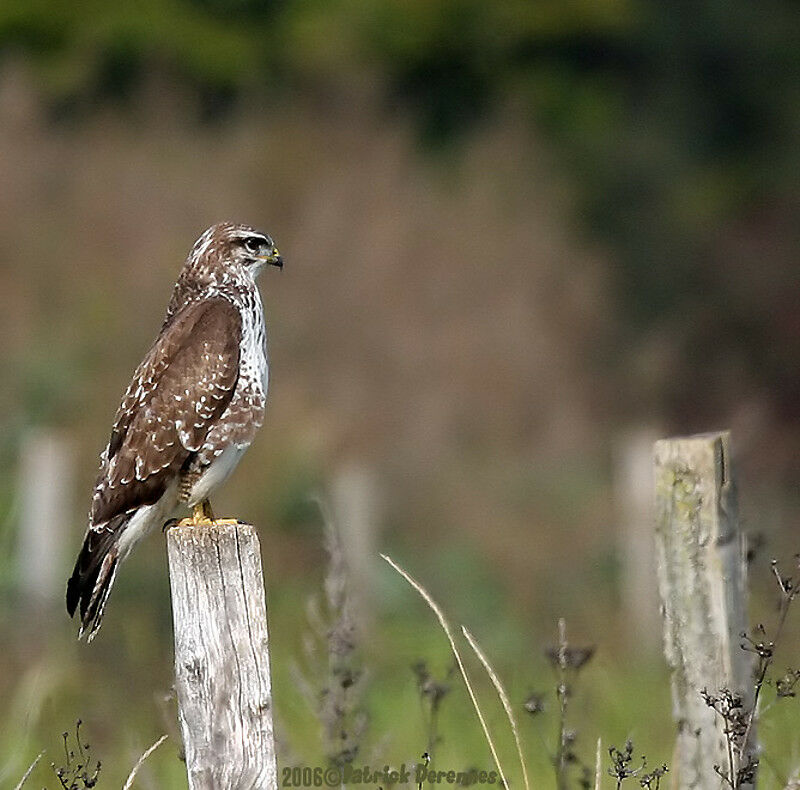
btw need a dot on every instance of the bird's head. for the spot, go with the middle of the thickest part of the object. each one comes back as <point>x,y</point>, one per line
<point>237,248</point>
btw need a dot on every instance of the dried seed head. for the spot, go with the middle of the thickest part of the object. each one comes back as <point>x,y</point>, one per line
<point>534,704</point>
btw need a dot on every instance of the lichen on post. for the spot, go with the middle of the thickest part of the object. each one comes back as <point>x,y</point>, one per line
<point>703,589</point>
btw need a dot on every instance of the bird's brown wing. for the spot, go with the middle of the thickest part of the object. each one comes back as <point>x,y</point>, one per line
<point>178,392</point>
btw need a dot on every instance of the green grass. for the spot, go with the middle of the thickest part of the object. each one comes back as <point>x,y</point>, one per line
<point>118,685</point>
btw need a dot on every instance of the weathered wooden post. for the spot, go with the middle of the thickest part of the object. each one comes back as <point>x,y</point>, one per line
<point>222,673</point>
<point>702,582</point>
<point>45,495</point>
<point>355,500</point>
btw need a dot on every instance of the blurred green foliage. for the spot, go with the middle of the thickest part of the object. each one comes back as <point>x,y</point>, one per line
<point>678,120</point>
<point>615,697</point>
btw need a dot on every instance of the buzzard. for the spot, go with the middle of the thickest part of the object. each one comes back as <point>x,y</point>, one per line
<point>189,413</point>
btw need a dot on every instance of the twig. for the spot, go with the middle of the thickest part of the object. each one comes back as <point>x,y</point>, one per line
<point>501,692</point>
<point>129,783</point>
<point>431,694</point>
<point>562,692</point>
<point>446,628</point>
<point>29,771</point>
<point>787,596</point>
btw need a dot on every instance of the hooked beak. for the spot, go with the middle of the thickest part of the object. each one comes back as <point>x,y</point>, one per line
<point>273,259</point>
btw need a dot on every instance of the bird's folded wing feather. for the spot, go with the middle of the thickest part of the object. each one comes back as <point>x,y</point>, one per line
<point>181,388</point>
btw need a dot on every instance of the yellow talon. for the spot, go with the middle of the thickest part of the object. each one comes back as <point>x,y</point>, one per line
<point>202,515</point>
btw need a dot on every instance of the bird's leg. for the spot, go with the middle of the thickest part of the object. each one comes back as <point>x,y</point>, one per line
<point>202,512</point>
<point>208,515</point>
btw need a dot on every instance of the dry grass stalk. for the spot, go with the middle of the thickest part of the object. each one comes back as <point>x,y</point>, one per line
<point>129,781</point>
<point>448,632</point>
<point>501,692</point>
<point>598,764</point>
<point>29,771</point>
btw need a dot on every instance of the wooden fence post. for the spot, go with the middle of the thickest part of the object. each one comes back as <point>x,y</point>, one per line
<point>46,481</point>
<point>355,500</point>
<point>703,587</point>
<point>222,673</point>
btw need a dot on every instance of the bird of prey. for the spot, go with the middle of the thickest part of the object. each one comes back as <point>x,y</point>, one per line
<point>189,413</point>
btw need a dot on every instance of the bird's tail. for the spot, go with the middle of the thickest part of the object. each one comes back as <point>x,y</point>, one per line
<point>94,573</point>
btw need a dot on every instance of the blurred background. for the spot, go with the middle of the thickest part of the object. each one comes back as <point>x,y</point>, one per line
<point>523,239</point>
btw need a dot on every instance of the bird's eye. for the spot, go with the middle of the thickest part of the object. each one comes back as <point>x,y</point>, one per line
<point>253,244</point>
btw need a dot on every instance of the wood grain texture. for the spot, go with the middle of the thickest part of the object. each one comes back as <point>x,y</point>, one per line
<point>222,675</point>
<point>703,589</point>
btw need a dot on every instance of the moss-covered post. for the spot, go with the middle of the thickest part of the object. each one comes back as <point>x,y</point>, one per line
<point>703,588</point>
